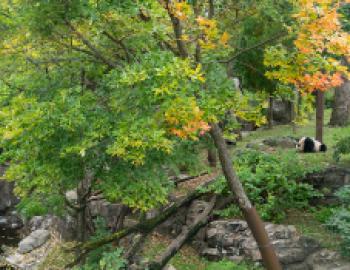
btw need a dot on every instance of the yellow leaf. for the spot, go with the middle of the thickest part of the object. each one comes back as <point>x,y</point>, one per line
<point>224,38</point>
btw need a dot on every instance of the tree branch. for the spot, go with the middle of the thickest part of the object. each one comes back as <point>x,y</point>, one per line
<point>88,44</point>
<point>177,31</point>
<point>260,44</point>
<point>120,43</point>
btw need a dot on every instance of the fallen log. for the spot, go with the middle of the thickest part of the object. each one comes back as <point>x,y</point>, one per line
<point>143,227</point>
<point>182,238</point>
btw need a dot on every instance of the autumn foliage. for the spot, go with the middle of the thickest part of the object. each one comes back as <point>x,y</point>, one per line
<point>315,63</point>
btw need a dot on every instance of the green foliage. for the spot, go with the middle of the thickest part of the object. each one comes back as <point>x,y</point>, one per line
<point>323,214</point>
<point>341,148</point>
<point>340,220</point>
<point>229,265</point>
<point>106,257</point>
<point>271,182</point>
<point>35,206</point>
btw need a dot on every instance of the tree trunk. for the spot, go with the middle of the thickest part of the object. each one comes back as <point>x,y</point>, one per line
<point>254,221</point>
<point>212,157</point>
<point>295,111</point>
<point>341,106</point>
<point>319,115</point>
<point>84,219</point>
<point>270,113</point>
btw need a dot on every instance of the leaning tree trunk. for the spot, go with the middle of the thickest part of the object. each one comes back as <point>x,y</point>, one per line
<point>254,221</point>
<point>341,106</point>
<point>319,115</point>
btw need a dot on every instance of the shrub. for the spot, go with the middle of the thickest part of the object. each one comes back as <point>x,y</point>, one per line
<point>229,265</point>
<point>271,182</point>
<point>105,257</point>
<point>342,147</point>
<point>340,220</point>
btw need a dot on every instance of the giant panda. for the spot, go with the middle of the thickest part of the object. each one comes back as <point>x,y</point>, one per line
<point>310,145</point>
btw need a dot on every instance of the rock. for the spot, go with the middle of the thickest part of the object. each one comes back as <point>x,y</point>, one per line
<point>297,266</point>
<point>169,267</point>
<point>326,260</point>
<point>196,209</point>
<point>31,260</point>
<point>10,229</point>
<point>328,182</point>
<point>113,213</point>
<point>62,227</point>
<point>212,254</point>
<point>281,111</point>
<point>233,239</point>
<point>12,222</point>
<point>15,259</point>
<point>33,241</point>
<point>7,199</point>
<point>283,142</point>
<point>72,196</point>
<point>257,146</point>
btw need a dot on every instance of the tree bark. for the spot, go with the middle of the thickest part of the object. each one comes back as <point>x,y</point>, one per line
<point>212,157</point>
<point>319,115</point>
<point>84,220</point>
<point>254,222</point>
<point>341,106</point>
<point>270,112</point>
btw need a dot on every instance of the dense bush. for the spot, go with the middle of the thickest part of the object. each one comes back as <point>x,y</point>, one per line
<point>342,147</point>
<point>340,220</point>
<point>271,182</point>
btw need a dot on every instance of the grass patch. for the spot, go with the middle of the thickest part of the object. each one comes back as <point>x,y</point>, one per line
<point>58,256</point>
<point>331,136</point>
<point>307,224</point>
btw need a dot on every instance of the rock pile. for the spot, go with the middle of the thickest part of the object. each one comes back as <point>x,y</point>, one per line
<point>233,240</point>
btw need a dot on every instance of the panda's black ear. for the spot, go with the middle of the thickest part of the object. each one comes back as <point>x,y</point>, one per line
<point>323,148</point>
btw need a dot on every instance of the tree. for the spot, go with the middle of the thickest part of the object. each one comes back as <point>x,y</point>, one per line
<point>103,95</point>
<point>341,106</point>
<point>313,65</point>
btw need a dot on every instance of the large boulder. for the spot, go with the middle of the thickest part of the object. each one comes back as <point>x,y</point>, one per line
<point>33,241</point>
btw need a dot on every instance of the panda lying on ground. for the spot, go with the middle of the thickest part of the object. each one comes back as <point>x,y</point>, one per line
<point>310,145</point>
